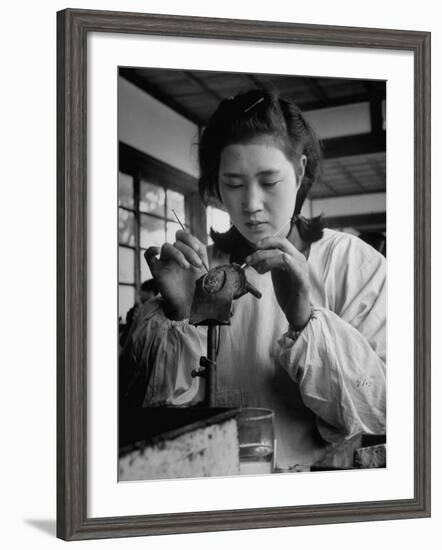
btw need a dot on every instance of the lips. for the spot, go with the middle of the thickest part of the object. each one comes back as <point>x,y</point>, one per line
<point>256,226</point>
<point>254,223</point>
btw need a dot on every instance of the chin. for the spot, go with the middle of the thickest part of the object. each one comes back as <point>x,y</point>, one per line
<point>255,236</point>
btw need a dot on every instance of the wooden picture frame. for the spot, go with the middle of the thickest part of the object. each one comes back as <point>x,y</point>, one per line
<point>73,27</point>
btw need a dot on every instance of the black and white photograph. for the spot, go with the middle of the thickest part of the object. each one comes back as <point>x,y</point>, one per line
<point>226,214</point>
<point>252,296</point>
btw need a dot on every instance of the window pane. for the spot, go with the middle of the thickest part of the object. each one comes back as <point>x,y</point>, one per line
<point>175,201</point>
<point>126,265</point>
<point>152,198</point>
<point>125,190</point>
<point>172,228</point>
<point>126,227</point>
<point>145,272</point>
<point>152,231</point>
<point>126,299</point>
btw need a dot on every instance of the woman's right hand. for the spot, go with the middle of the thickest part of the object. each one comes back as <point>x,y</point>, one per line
<point>176,270</point>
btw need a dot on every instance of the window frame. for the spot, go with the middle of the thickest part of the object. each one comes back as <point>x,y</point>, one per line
<point>143,167</point>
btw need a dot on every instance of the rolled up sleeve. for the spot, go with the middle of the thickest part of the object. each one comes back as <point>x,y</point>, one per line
<point>166,352</point>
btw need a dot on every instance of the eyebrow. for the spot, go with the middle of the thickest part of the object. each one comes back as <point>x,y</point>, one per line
<point>269,172</point>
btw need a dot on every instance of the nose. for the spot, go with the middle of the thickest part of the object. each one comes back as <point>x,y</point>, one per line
<point>252,200</point>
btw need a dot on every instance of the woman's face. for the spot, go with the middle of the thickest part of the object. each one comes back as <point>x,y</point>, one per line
<point>258,186</point>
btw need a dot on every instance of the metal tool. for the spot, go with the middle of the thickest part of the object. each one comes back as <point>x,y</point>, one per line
<point>184,229</point>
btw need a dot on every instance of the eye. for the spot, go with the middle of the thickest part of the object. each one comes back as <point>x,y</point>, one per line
<point>269,183</point>
<point>232,185</point>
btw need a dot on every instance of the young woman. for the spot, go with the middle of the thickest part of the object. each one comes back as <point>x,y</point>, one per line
<point>313,347</point>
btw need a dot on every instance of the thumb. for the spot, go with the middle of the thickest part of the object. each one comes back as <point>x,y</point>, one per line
<point>150,257</point>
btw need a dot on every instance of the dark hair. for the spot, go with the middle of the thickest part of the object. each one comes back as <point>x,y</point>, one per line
<point>240,119</point>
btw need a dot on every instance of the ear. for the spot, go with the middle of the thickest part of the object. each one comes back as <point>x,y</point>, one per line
<point>300,170</point>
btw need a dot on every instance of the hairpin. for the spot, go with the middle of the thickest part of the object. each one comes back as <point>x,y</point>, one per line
<point>254,104</point>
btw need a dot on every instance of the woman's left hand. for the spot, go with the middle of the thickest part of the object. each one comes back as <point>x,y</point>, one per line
<point>290,277</point>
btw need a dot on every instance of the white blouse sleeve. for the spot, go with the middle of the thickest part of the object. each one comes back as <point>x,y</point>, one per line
<point>168,351</point>
<point>338,360</point>
<point>163,353</point>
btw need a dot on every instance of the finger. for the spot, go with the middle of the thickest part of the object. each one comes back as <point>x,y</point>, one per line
<point>281,244</point>
<point>284,262</point>
<point>150,257</point>
<point>171,253</point>
<point>261,255</point>
<point>152,251</point>
<point>270,263</point>
<point>192,242</point>
<point>190,254</point>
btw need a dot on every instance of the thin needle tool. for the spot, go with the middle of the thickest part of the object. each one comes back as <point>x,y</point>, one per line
<point>184,229</point>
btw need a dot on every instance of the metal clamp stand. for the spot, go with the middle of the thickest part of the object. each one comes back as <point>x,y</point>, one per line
<point>212,307</point>
<point>208,364</point>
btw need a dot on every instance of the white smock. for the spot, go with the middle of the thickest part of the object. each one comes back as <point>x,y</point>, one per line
<point>325,386</point>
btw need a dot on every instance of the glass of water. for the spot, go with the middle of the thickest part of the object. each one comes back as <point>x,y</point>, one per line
<point>256,436</point>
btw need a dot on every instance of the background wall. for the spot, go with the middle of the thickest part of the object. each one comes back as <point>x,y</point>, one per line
<point>174,138</point>
<point>28,276</point>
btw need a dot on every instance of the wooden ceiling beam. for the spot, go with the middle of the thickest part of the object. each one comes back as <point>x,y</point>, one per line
<point>373,90</point>
<point>333,102</point>
<point>373,220</point>
<point>362,144</point>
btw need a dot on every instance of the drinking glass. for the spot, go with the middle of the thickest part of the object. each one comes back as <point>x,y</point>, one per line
<point>256,436</point>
